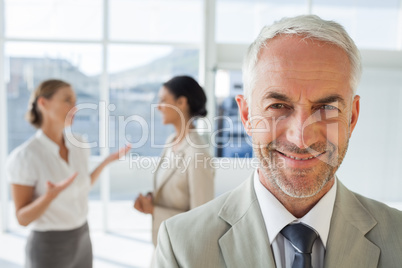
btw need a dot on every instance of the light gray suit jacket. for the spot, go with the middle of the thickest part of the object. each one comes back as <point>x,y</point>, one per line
<point>186,183</point>
<point>230,232</point>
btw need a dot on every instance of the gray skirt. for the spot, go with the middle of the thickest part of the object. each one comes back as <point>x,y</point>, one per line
<point>61,249</point>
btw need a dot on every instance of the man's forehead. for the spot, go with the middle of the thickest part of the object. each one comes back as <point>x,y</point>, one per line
<point>302,71</point>
<point>288,49</point>
<point>289,63</point>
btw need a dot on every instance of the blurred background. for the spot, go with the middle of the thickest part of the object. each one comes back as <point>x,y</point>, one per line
<point>117,53</point>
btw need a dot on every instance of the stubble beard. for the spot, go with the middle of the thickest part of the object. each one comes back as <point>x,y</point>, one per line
<point>297,182</point>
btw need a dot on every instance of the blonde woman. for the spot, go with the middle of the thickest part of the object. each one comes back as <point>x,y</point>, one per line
<point>51,181</point>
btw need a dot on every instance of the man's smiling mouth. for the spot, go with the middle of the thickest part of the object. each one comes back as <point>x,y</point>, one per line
<point>300,158</point>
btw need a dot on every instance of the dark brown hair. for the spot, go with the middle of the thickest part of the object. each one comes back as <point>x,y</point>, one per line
<point>46,89</point>
<point>186,86</point>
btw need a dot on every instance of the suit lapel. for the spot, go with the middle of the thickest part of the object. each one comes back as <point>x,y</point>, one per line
<point>347,245</point>
<point>167,172</point>
<point>246,243</point>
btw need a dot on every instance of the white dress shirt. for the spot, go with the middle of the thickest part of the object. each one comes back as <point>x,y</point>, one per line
<point>37,161</point>
<point>276,217</point>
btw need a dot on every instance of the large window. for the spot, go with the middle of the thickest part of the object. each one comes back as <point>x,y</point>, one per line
<point>50,19</point>
<point>156,20</point>
<point>28,63</point>
<point>67,40</point>
<point>231,140</point>
<point>134,89</point>
<point>116,55</point>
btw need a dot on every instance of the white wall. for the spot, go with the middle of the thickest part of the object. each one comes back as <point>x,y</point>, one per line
<point>373,164</point>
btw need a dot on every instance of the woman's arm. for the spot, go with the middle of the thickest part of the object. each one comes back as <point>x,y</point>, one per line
<point>112,157</point>
<point>28,210</point>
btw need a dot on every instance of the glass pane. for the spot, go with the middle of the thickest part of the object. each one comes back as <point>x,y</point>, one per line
<point>78,19</point>
<point>231,139</point>
<point>28,64</point>
<point>240,21</point>
<point>136,75</point>
<point>156,20</point>
<point>372,24</point>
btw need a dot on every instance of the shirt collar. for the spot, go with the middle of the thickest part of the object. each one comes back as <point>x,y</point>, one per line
<point>276,216</point>
<point>49,144</point>
<point>67,136</point>
<point>190,139</point>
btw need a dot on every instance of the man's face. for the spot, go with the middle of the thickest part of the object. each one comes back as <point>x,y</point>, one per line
<point>302,115</point>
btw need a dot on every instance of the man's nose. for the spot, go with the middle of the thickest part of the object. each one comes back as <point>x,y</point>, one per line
<point>302,129</point>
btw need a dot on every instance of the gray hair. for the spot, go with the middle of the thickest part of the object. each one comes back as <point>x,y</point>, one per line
<point>310,27</point>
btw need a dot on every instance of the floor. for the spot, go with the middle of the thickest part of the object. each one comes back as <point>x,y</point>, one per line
<point>127,244</point>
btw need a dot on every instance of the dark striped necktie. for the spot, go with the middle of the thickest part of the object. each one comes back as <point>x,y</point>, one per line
<point>302,238</point>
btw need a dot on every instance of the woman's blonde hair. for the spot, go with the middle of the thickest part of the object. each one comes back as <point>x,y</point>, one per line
<point>46,89</point>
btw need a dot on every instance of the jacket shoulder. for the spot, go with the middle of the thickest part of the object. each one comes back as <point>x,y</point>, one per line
<point>380,211</point>
<point>387,233</point>
<point>196,231</point>
<point>204,217</point>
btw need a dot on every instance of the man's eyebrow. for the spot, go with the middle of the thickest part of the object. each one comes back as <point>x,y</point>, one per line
<point>328,99</point>
<point>277,96</point>
<point>331,99</point>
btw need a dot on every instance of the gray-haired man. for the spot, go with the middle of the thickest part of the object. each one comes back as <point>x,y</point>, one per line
<point>300,107</point>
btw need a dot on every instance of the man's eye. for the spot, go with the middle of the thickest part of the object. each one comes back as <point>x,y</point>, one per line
<point>277,106</point>
<point>328,107</point>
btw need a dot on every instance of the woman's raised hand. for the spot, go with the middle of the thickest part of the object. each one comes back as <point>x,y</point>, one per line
<point>117,155</point>
<point>54,189</point>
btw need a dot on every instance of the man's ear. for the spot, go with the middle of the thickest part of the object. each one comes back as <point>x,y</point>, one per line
<point>355,113</point>
<point>243,111</point>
